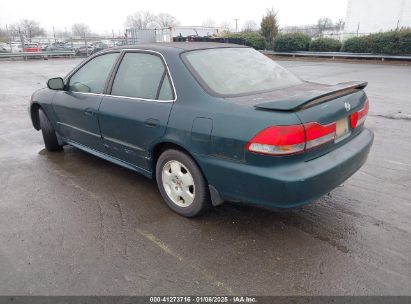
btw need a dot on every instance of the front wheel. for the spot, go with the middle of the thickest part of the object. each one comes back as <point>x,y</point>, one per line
<point>181,183</point>
<point>49,134</point>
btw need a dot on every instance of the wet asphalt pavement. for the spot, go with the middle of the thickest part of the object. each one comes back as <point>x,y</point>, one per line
<point>72,224</point>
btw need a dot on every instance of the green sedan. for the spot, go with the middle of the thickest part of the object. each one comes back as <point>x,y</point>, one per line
<point>209,123</point>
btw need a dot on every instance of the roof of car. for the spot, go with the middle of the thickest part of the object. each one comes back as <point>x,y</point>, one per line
<point>184,46</point>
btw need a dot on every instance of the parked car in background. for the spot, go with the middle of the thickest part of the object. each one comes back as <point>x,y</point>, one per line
<point>110,43</point>
<point>99,46</point>
<point>44,46</point>
<point>76,45</point>
<point>84,51</point>
<point>59,47</point>
<point>32,47</point>
<point>4,48</point>
<point>15,47</point>
<point>209,122</point>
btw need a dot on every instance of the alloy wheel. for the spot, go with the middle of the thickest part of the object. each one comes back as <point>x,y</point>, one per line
<point>178,183</point>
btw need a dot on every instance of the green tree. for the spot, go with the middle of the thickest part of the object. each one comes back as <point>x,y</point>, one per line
<point>269,27</point>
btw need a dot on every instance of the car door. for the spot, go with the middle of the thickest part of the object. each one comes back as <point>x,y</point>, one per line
<point>135,112</point>
<point>76,107</point>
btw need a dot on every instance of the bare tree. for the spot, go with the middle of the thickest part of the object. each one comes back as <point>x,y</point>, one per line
<point>13,30</point>
<point>142,20</point>
<point>166,20</point>
<point>226,27</point>
<point>3,35</point>
<point>80,29</point>
<point>250,26</point>
<point>324,24</point>
<point>29,29</point>
<point>269,26</point>
<point>339,25</point>
<point>208,22</point>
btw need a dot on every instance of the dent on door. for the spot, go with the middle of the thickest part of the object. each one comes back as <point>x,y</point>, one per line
<point>130,126</point>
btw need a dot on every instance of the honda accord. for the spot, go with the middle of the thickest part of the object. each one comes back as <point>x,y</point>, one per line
<point>208,123</point>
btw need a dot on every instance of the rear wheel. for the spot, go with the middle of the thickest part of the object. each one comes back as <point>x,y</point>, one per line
<point>181,183</point>
<point>49,134</point>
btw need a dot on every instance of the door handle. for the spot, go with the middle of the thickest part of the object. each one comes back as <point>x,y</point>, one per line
<point>151,122</point>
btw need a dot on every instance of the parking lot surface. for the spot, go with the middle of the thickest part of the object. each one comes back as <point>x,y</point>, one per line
<point>73,224</point>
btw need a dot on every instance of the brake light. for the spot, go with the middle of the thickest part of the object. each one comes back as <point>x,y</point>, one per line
<point>354,120</point>
<point>283,140</point>
<point>278,140</point>
<point>317,134</point>
<point>358,118</point>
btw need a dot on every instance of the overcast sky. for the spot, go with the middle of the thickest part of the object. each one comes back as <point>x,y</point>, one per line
<point>104,16</point>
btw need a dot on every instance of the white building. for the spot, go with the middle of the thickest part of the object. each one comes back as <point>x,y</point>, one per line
<point>373,16</point>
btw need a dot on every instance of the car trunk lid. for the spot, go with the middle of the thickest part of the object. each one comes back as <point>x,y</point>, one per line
<point>308,95</point>
<point>324,111</point>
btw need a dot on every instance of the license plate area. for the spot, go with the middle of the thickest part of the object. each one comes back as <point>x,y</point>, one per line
<point>342,129</point>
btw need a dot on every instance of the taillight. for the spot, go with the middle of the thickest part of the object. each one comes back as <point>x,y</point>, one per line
<point>358,118</point>
<point>317,134</point>
<point>282,140</point>
<point>278,140</point>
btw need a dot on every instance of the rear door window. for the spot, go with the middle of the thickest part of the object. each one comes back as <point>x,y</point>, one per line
<point>166,90</point>
<point>142,75</point>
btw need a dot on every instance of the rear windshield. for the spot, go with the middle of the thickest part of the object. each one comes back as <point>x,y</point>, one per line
<point>237,71</point>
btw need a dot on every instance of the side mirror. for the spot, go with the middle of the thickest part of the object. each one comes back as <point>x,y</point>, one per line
<point>55,83</point>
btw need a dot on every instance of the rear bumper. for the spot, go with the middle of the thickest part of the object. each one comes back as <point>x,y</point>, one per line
<point>288,185</point>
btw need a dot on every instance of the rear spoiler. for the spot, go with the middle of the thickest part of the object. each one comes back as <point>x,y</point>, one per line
<point>313,97</point>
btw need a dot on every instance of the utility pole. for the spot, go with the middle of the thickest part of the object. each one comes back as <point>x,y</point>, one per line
<point>85,42</point>
<point>54,35</point>
<point>236,25</point>
<point>9,36</point>
<point>21,40</point>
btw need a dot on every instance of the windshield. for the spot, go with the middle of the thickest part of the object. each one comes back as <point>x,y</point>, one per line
<point>237,71</point>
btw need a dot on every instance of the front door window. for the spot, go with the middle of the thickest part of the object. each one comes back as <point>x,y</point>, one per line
<point>92,77</point>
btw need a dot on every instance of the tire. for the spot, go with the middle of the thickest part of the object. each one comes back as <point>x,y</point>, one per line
<point>181,183</point>
<point>49,134</point>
